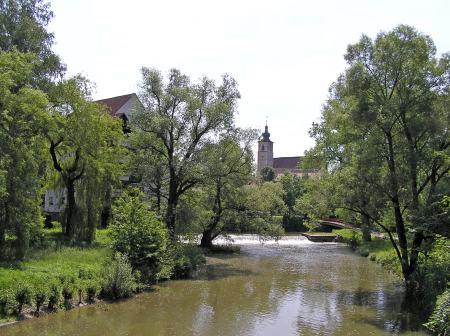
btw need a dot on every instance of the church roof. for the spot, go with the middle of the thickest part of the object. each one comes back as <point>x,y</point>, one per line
<point>115,103</point>
<point>290,162</point>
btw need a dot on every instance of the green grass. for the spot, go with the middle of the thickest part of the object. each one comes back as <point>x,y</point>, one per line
<point>47,265</point>
<point>320,233</point>
<point>379,250</point>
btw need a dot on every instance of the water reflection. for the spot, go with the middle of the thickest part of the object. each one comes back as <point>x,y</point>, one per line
<point>291,288</point>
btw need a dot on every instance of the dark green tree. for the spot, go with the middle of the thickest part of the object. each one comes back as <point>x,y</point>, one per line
<point>387,118</point>
<point>267,174</point>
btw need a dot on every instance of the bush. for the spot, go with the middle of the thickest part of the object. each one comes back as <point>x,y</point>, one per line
<point>118,278</point>
<point>439,320</point>
<point>54,297</point>
<point>67,293</point>
<point>92,290</point>
<point>137,233</point>
<point>181,261</point>
<point>23,296</point>
<point>6,301</point>
<point>40,296</point>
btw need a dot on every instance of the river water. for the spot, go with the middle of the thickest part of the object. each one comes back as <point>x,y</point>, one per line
<point>293,287</point>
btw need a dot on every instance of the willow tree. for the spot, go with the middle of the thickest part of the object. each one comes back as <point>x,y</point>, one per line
<point>84,145</point>
<point>388,117</point>
<point>182,117</point>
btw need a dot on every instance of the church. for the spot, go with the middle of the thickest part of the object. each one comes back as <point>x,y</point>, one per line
<point>281,165</point>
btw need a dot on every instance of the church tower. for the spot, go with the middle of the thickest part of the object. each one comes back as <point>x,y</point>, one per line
<point>265,150</point>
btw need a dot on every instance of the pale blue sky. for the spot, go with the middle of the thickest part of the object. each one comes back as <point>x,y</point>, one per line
<point>284,54</point>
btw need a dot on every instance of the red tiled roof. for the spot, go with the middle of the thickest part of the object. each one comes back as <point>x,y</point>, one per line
<point>287,162</point>
<point>115,103</point>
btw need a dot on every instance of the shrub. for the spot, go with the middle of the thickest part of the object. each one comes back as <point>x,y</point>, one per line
<point>40,296</point>
<point>23,296</point>
<point>92,290</point>
<point>6,301</point>
<point>439,320</point>
<point>67,293</point>
<point>54,297</point>
<point>181,261</point>
<point>118,278</point>
<point>137,233</point>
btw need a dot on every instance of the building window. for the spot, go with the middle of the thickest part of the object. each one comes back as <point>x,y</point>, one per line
<point>50,200</point>
<point>262,147</point>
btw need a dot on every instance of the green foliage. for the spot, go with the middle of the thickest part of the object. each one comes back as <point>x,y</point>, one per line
<point>67,293</point>
<point>439,321</point>
<point>6,301</point>
<point>181,261</point>
<point>54,297</point>
<point>86,152</point>
<point>23,27</point>
<point>40,296</point>
<point>92,291</point>
<point>267,174</point>
<point>178,119</point>
<point>23,296</point>
<point>23,118</point>
<point>138,234</point>
<point>118,280</point>
<point>433,273</point>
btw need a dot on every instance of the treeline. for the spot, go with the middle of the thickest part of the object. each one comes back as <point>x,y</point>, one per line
<point>383,142</point>
<point>185,153</point>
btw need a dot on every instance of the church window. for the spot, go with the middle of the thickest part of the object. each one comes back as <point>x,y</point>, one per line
<point>262,147</point>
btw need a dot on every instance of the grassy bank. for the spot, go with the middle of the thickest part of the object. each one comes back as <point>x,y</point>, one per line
<point>53,275</point>
<point>378,250</point>
<point>432,276</point>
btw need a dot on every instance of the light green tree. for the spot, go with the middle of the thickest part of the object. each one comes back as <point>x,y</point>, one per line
<point>182,117</point>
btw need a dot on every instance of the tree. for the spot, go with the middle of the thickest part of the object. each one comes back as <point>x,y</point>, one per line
<point>138,234</point>
<point>267,174</point>
<point>23,118</point>
<point>84,145</point>
<point>293,188</point>
<point>23,26</point>
<point>386,119</point>
<point>228,167</point>
<point>183,117</point>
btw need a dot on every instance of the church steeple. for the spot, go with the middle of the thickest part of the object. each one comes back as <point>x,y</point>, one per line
<point>265,150</point>
<point>266,134</point>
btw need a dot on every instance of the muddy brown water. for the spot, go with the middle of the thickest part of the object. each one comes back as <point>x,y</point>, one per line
<point>293,287</point>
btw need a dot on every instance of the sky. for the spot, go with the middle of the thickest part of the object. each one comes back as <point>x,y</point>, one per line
<point>284,54</point>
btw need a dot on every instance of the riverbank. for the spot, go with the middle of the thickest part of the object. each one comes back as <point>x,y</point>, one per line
<point>52,276</point>
<point>432,277</point>
<point>288,288</point>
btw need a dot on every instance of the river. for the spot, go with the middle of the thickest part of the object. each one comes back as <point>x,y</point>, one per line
<point>293,287</point>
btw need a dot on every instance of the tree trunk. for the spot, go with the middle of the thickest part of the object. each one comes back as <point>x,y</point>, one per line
<point>365,228</point>
<point>399,223</point>
<point>69,229</point>
<point>207,238</point>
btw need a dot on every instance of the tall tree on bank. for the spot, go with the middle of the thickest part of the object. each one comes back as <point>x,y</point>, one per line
<point>23,117</point>
<point>183,117</point>
<point>84,146</point>
<point>23,26</point>
<point>392,100</point>
<point>228,166</point>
